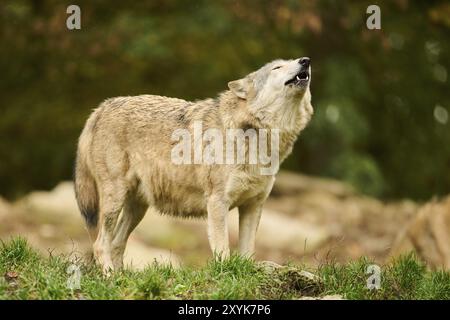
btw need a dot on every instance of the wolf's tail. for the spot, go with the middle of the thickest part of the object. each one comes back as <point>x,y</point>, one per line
<point>85,186</point>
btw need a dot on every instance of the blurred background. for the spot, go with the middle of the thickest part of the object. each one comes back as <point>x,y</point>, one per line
<point>377,149</point>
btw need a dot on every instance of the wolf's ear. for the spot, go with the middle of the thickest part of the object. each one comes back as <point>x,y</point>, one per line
<point>239,87</point>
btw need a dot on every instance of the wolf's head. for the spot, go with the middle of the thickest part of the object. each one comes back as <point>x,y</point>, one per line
<point>275,90</point>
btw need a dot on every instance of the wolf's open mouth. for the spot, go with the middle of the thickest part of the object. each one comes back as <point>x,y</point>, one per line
<point>299,79</point>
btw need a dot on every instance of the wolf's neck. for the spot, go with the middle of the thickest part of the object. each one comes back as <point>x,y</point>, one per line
<point>289,119</point>
<point>292,123</point>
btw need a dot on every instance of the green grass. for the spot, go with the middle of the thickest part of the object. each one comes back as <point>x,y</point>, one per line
<point>25,274</point>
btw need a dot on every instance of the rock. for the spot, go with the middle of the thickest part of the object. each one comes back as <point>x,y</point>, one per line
<point>269,266</point>
<point>175,233</point>
<point>60,201</point>
<point>138,255</point>
<point>299,280</point>
<point>279,232</point>
<point>327,297</point>
<point>289,277</point>
<point>310,276</point>
<point>5,208</point>
<point>58,219</point>
<point>428,234</point>
<point>293,183</point>
<point>306,219</point>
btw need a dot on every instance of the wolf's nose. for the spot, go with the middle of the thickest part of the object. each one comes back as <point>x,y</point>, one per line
<point>304,62</point>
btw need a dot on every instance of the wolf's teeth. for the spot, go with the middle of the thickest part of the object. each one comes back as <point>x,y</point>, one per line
<point>298,78</point>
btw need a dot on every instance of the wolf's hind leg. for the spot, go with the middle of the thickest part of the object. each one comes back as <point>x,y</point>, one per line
<point>133,212</point>
<point>112,198</point>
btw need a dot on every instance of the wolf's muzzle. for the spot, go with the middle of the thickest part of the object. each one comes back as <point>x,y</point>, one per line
<point>304,62</point>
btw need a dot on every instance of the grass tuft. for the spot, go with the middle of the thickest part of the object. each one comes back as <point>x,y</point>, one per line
<point>25,274</point>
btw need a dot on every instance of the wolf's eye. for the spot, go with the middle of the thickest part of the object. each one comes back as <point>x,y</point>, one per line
<point>276,68</point>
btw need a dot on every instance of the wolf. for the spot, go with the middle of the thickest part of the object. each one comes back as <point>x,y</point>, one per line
<point>123,163</point>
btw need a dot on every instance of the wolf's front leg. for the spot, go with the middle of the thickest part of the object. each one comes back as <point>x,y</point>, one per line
<point>218,226</point>
<point>249,216</point>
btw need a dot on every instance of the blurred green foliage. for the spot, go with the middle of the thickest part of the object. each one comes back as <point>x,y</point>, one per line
<point>381,97</point>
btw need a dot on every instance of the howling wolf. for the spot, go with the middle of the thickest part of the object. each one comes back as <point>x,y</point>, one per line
<point>125,160</point>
